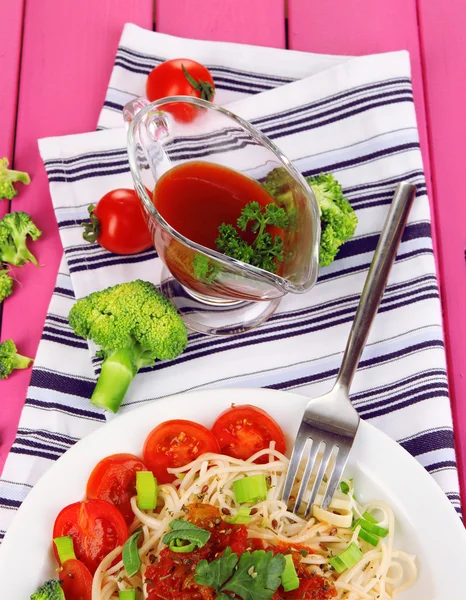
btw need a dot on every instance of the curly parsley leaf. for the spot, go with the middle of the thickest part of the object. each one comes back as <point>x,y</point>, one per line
<point>257,576</point>
<point>204,269</point>
<point>214,574</point>
<point>265,251</point>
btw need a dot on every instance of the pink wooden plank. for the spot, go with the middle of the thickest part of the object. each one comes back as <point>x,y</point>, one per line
<point>258,22</point>
<point>11,25</point>
<point>68,53</point>
<point>360,27</point>
<point>442,26</point>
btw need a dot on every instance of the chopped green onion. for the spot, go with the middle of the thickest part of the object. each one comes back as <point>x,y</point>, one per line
<point>371,539</point>
<point>370,518</point>
<point>344,487</point>
<point>147,489</point>
<point>185,532</point>
<point>130,554</point>
<point>242,517</point>
<point>127,594</point>
<point>250,489</point>
<point>290,580</point>
<point>346,559</point>
<point>177,545</point>
<point>64,547</point>
<point>371,528</point>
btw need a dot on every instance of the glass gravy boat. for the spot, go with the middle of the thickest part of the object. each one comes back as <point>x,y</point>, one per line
<point>214,293</point>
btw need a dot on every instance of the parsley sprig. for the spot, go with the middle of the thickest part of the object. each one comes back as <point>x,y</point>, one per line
<point>254,576</point>
<point>266,251</point>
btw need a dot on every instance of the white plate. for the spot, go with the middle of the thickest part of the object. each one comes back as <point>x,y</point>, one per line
<point>427,525</point>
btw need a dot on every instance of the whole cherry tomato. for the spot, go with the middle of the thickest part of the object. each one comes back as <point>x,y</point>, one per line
<point>117,223</point>
<point>180,77</point>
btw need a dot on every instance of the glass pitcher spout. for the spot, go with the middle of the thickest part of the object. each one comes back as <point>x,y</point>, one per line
<point>158,140</point>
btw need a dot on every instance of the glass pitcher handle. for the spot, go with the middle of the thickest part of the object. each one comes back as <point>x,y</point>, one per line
<point>149,134</point>
<point>132,108</point>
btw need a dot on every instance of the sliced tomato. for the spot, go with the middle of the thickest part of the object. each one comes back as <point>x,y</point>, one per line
<point>243,430</point>
<point>114,480</point>
<point>76,580</point>
<point>175,444</point>
<point>96,527</point>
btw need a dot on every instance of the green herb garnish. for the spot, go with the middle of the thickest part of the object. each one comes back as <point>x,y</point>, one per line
<point>204,269</point>
<point>255,576</point>
<point>266,251</point>
<point>344,487</point>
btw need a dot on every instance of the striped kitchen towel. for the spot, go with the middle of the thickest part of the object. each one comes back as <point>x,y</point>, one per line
<point>353,117</point>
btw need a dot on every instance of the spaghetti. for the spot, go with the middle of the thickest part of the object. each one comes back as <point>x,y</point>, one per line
<point>381,573</point>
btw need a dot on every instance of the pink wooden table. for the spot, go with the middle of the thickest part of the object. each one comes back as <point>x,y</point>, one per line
<point>55,61</point>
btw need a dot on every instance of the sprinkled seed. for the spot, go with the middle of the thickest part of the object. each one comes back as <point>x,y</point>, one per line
<point>254,511</point>
<point>274,523</point>
<point>226,511</point>
<point>333,531</point>
<point>151,559</point>
<point>204,489</point>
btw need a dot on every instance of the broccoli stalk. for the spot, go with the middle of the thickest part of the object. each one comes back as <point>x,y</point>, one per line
<point>6,285</point>
<point>134,324</point>
<point>50,590</point>
<point>11,360</point>
<point>15,227</point>
<point>8,177</point>
<point>337,217</point>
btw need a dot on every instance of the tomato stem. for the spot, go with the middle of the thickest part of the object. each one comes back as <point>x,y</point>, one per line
<point>92,229</point>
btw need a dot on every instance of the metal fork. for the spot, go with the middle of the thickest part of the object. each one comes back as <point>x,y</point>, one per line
<point>330,422</point>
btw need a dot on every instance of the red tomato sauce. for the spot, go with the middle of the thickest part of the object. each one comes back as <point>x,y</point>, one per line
<point>171,577</point>
<point>196,197</point>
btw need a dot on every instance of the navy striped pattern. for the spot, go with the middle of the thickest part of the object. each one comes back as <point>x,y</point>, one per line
<point>401,385</point>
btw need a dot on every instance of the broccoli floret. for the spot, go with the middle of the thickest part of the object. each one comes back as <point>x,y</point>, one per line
<point>134,324</point>
<point>11,360</point>
<point>337,217</point>
<point>50,590</point>
<point>8,177</point>
<point>14,229</point>
<point>6,285</point>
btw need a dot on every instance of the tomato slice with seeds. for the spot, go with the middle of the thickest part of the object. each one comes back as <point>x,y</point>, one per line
<point>96,526</point>
<point>76,580</point>
<point>175,444</point>
<point>114,480</point>
<point>243,430</point>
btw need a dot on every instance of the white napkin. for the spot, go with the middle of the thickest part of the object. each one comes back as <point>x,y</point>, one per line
<point>354,118</point>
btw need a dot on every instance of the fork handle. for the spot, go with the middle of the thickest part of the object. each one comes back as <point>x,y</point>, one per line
<point>376,280</point>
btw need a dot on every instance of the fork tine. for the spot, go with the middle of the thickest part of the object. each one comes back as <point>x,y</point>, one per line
<point>320,475</point>
<point>337,472</point>
<point>307,473</point>
<point>298,449</point>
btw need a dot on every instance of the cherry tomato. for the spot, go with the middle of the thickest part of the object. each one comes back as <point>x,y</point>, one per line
<point>96,527</point>
<point>77,580</point>
<point>175,444</point>
<point>117,223</point>
<point>114,480</point>
<point>243,430</point>
<point>180,77</point>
